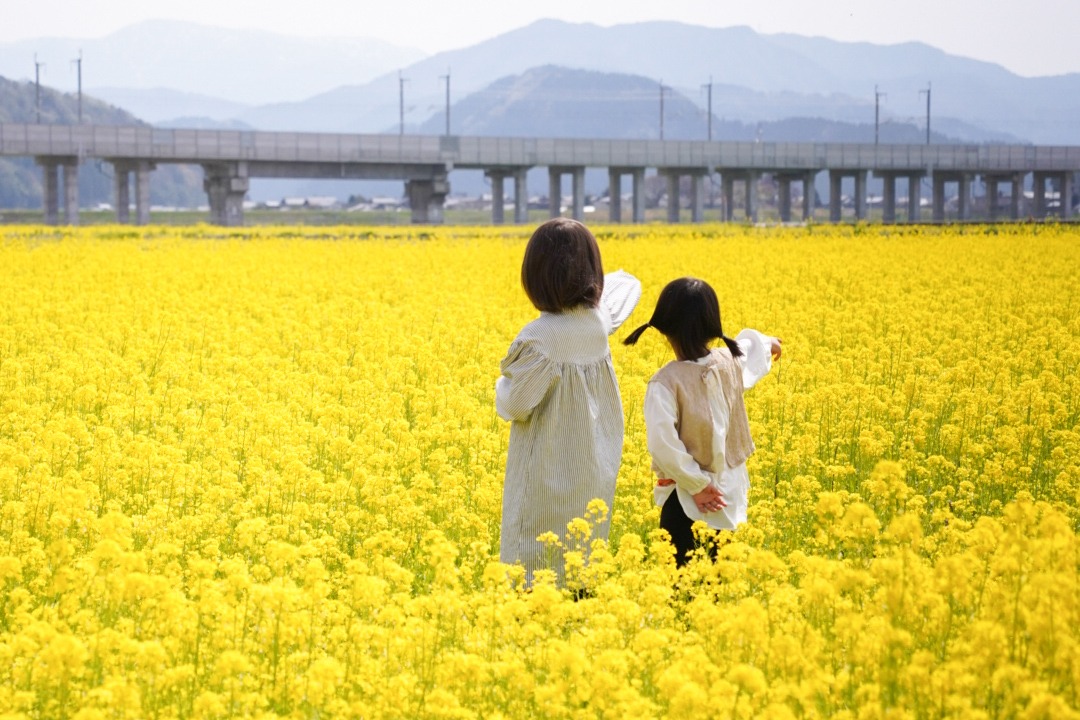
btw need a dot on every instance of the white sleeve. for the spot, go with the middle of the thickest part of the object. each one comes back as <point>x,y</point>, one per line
<point>667,450</point>
<point>622,291</point>
<point>756,361</point>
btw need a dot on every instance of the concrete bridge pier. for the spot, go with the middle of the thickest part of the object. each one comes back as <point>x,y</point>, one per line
<point>1038,193</point>
<point>521,196</point>
<point>673,178</point>
<point>637,204</point>
<point>71,192</point>
<point>427,199</point>
<point>727,194</point>
<point>122,192</point>
<point>615,195</point>
<point>836,178</point>
<point>498,178</point>
<point>783,197</point>
<point>51,188</point>
<point>1064,192</point>
<point>497,200</point>
<point>993,194</point>
<point>860,194</point>
<point>888,198</point>
<point>638,194</point>
<point>697,196</point>
<point>835,209</point>
<point>727,188</point>
<point>784,181</point>
<point>226,185</point>
<point>963,194</point>
<point>1017,193</point>
<point>914,197</point>
<point>122,171</point>
<point>51,168</point>
<point>142,192</point>
<point>889,195</point>
<point>577,209</point>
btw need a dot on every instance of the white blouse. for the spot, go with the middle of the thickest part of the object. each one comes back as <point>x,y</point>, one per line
<point>675,463</point>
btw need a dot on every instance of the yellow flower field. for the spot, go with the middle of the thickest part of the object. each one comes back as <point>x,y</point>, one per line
<point>258,473</point>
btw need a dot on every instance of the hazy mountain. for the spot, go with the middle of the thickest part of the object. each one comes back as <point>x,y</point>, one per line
<point>245,66</point>
<point>21,178</point>
<point>553,101</point>
<point>755,78</point>
<point>155,105</point>
<point>202,123</point>
<point>161,70</point>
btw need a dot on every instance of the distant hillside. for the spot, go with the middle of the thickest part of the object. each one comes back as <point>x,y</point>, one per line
<point>20,178</point>
<point>242,66</point>
<point>157,105</point>
<point>555,101</point>
<point>203,123</point>
<point>757,78</point>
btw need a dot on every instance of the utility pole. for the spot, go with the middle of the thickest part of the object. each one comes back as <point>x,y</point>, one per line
<point>78,69</point>
<point>877,112</point>
<point>401,102</point>
<point>446,77</point>
<point>709,88</point>
<point>662,90</point>
<point>927,91</point>
<point>37,86</point>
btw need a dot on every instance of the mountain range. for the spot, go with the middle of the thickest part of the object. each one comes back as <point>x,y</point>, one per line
<point>229,69</point>
<point>165,70</point>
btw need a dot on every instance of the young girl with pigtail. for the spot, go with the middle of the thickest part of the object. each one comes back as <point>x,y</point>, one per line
<point>697,430</point>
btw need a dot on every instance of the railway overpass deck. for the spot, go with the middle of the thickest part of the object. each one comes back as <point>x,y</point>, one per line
<point>230,158</point>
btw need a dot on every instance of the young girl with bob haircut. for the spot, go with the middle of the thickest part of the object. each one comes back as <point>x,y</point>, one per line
<point>696,426</point>
<point>558,389</point>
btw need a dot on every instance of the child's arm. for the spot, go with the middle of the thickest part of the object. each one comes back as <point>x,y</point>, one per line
<point>622,291</point>
<point>759,351</point>
<point>527,375</point>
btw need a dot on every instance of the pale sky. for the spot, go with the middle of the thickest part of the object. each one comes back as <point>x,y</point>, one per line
<point>1035,37</point>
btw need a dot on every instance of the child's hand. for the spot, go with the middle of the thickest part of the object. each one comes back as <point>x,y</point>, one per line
<point>709,500</point>
<point>776,348</point>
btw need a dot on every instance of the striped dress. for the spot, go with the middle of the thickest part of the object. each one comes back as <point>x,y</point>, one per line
<point>558,388</point>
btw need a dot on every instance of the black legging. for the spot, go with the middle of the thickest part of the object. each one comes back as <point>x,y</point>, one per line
<point>680,527</point>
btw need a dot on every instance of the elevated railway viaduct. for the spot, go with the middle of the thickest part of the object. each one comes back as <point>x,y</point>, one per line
<point>231,158</point>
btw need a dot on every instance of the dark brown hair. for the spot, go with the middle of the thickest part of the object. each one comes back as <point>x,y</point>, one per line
<point>688,314</point>
<point>562,267</point>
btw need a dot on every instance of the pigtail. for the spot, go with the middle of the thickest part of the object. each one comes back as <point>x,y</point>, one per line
<point>732,346</point>
<point>632,338</point>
